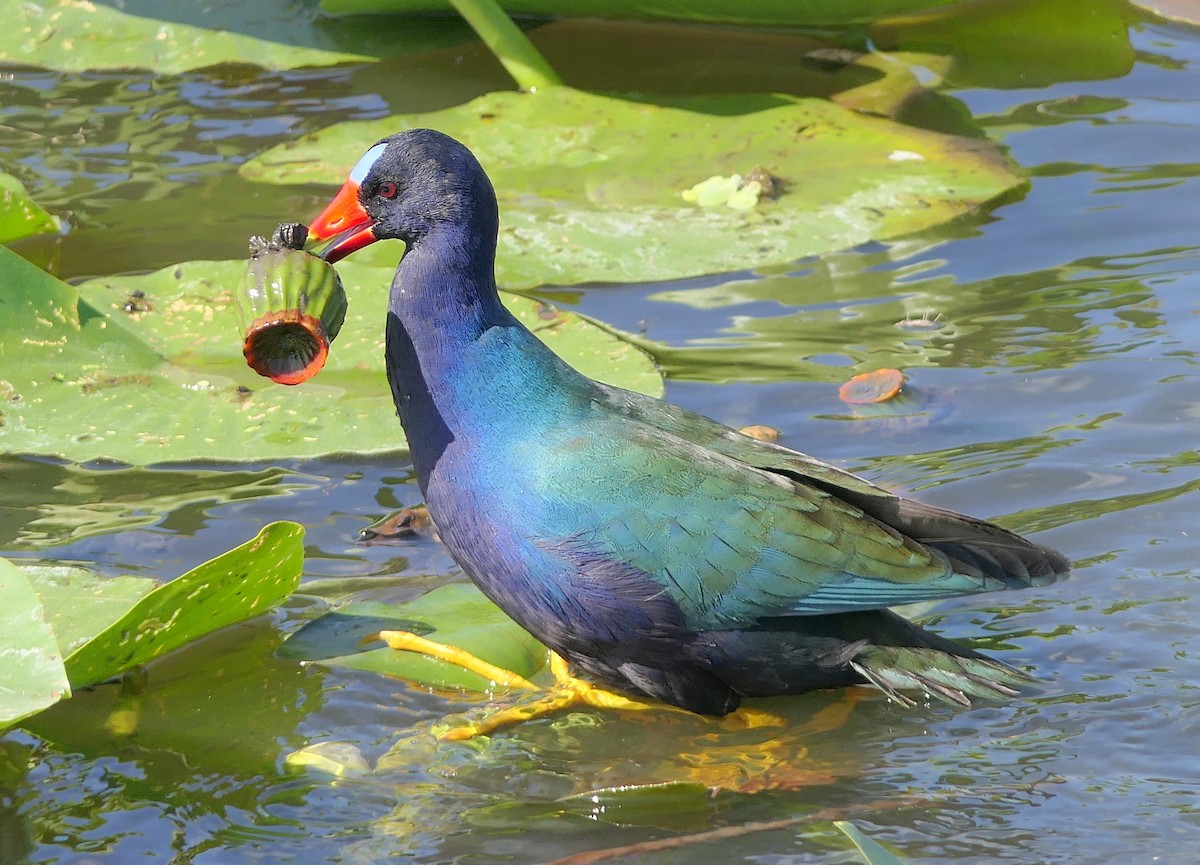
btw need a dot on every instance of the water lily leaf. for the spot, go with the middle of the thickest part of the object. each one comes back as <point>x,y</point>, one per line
<point>74,35</point>
<point>457,614</point>
<point>80,604</point>
<point>32,676</point>
<point>1018,43</point>
<point>237,585</point>
<point>590,185</point>
<point>778,12</point>
<point>872,851</point>
<point>20,215</point>
<point>101,371</point>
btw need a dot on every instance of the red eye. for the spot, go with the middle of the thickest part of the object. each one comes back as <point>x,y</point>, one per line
<point>387,189</point>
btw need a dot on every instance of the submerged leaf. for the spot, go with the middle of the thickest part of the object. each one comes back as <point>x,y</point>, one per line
<point>872,851</point>
<point>86,376</point>
<point>457,614</point>
<point>339,759</point>
<point>589,185</point>
<point>667,805</point>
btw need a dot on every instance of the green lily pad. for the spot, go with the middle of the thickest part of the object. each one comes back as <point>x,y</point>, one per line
<point>20,215</point>
<point>777,12</point>
<point>1018,43</point>
<point>32,676</point>
<point>457,614</point>
<point>84,378</point>
<point>590,185</point>
<point>245,582</point>
<point>74,35</point>
<point>80,604</point>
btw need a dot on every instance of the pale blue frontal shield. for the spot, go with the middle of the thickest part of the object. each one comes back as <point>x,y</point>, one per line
<point>360,171</point>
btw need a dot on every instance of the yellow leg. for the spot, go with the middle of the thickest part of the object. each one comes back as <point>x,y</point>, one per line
<point>567,691</point>
<point>570,692</point>
<point>409,642</point>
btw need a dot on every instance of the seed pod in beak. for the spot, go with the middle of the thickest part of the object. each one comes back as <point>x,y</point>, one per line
<point>291,304</point>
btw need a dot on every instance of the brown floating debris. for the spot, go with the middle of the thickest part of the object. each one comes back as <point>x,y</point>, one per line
<point>292,306</point>
<point>761,432</point>
<point>872,387</point>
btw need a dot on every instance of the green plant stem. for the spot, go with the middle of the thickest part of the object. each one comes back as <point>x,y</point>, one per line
<point>513,49</point>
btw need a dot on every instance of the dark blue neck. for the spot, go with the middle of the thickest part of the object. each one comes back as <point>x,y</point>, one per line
<point>461,367</point>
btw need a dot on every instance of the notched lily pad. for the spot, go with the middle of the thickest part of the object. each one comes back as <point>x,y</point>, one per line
<point>590,185</point>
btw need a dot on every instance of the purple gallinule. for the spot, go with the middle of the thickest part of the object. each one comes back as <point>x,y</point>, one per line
<point>658,552</point>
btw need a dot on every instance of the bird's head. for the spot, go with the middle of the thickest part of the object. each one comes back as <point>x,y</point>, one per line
<point>405,187</point>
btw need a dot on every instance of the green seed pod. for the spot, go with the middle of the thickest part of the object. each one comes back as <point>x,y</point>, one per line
<point>292,305</point>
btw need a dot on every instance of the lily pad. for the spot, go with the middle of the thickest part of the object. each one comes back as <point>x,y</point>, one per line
<point>245,582</point>
<point>74,35</point>
<point>85,378</point>
<point>457,614</point>
<point>590,185</point>
<point>80,604</point>
<point>20,215</point>
<point>777,12</point>
<point>1017,43</point>
<point>32,676</point>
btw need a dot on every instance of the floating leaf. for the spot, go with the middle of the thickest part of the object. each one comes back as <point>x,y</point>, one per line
<point>872,851</point>
<point>20,215</point>
<point>80,604</point>
<point>589,185</point>
<point>1018,43</point>
<point>74,35</point>
<point>85,378</point>
<point>245,582</point>
<point>457,614</point>
<point>31,669</point>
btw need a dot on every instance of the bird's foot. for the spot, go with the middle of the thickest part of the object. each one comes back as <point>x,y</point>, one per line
<point>567,692</point>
